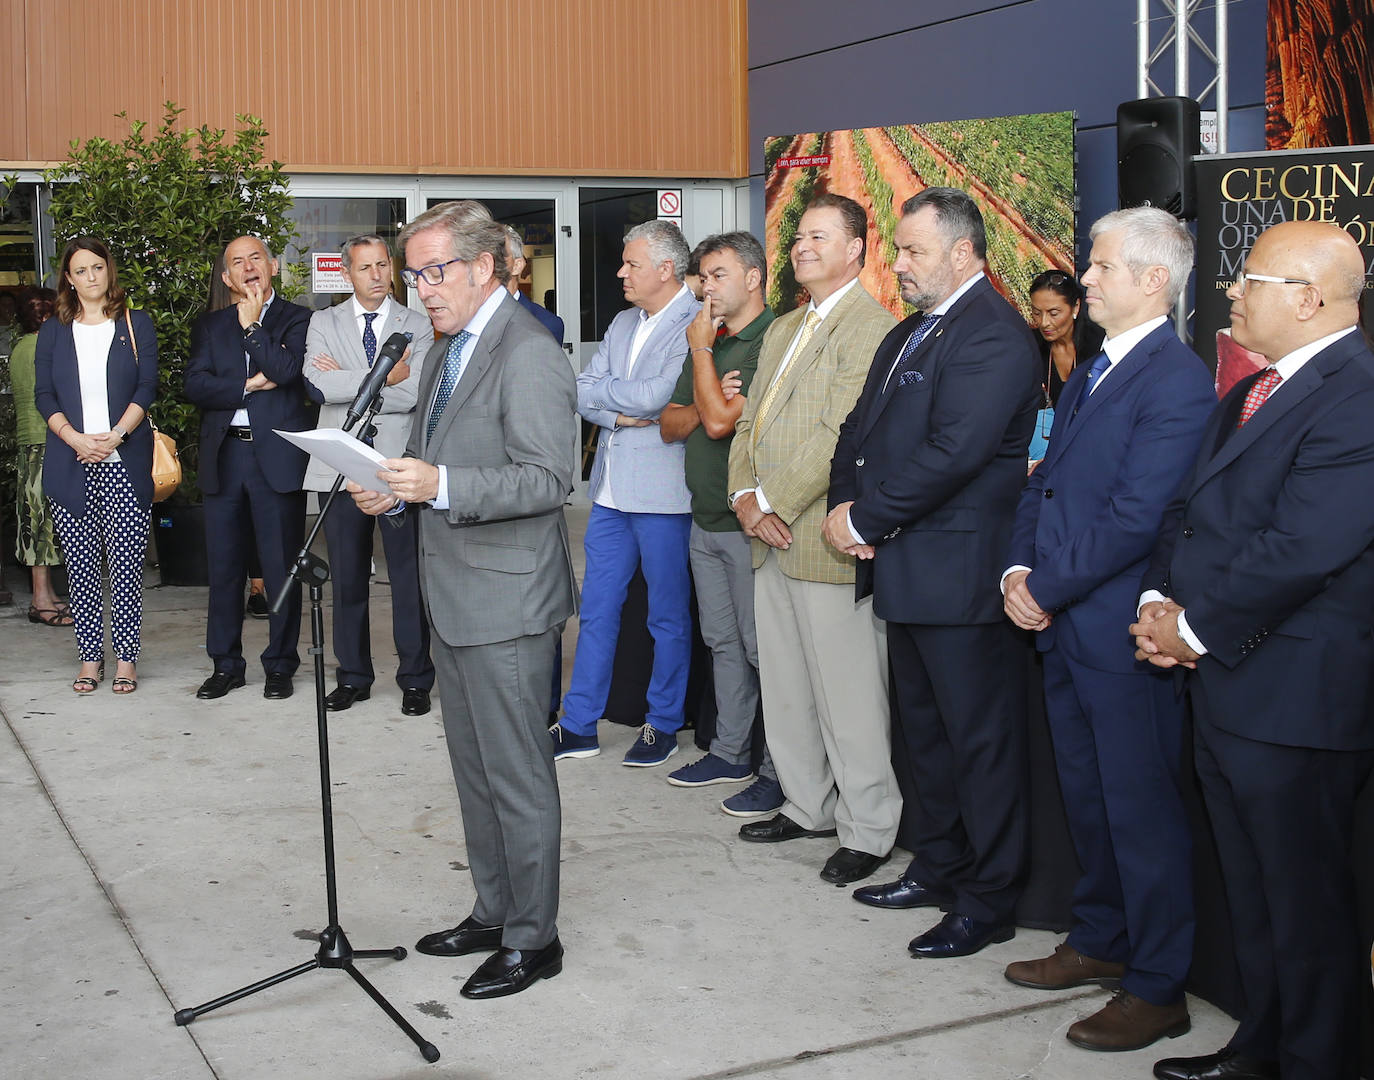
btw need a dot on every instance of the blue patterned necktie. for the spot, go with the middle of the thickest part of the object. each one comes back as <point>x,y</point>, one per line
<point>453,368</point>
<point>369,338</point>
<point>1099,365</point>
<point>918,335</point>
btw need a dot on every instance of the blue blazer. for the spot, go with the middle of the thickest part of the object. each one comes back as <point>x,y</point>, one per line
<point>1090,513</point>
<point>57,388</point>
<point>551,322</point>
<point>648,474</point>
<point>934,461</point>
<point>1269,546</point>
<point>215,375</point>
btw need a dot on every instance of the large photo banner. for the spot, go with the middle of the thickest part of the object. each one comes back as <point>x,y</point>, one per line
<point>1019,169</point>
<point>1241,195</point>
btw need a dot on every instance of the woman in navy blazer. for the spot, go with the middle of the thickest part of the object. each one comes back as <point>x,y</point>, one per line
<point>95,377</point>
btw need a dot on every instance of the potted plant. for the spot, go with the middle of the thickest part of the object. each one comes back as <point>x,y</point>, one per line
<point>167,205</point>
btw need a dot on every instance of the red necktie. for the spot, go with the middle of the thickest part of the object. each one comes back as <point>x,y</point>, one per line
<point>1258,394</point>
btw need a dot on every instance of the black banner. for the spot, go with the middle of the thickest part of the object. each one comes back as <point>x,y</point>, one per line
<point>1241,195</point>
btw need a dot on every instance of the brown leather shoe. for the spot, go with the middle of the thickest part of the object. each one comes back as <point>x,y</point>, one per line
<point>1130,1023</point>
<point>1066,968</point>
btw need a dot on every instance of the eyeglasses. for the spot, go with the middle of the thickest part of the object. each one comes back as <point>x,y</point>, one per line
<point>433,274</point>
<point>1244,278</point>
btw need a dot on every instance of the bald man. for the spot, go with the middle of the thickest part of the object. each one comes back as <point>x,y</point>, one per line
<point>1262,583</point>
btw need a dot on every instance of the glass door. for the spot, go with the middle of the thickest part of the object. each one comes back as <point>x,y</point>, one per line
<point>538,212</point>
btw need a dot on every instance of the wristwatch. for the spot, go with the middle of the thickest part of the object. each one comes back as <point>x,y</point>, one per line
<point>123,435</point>
<point>251,327</point>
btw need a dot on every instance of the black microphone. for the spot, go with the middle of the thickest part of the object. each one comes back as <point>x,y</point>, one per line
<point>387,359</point>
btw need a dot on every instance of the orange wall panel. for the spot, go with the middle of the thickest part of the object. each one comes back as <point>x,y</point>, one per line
<point>560,87</point>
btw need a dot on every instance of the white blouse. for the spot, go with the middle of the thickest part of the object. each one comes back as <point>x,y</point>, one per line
<point>92,358</point>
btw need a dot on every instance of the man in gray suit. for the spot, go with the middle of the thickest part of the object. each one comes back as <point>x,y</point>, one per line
<point>641,515</point>
<point>489,463</point>
<point>340,348</point>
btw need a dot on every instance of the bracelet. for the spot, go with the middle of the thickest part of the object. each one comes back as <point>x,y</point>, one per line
<point>123,435</point>
<point>63,428</point>
<point>704,348</point>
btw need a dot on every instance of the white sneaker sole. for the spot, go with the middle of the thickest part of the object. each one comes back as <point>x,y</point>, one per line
<point>707,783</point>
<point>651,764</point>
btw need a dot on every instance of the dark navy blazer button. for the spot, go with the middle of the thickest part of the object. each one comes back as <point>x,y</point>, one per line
<point>858,461</point>
<point>1049,493</point>
<point>1187,532</point>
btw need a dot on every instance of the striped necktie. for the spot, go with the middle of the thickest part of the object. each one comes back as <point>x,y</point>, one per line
<point>453,369</point>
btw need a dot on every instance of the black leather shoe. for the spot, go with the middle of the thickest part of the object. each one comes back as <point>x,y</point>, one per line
<point>277,685</point>
<point>508,971</point>
<point>467,937</point>
<point>848,865</point>
<point>219,684</point>
<point>777,828</point>
<point>344,696</point>
<point>414,702</point>
<point>902,893</point>
<point>958,935</point>
<point>1223,1065</point>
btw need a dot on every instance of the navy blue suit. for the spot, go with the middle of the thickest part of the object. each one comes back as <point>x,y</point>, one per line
<point>1267,546</point>
<point>252,488</point>
<point>933,458</point>
<point>1086,524</point>
<point>551,322</point>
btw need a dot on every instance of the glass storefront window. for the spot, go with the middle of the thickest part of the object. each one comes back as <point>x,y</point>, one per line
<point>324,223</point>
<point>606,214</point>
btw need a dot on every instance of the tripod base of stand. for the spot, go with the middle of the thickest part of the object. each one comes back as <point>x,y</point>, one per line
<point>334,952</point>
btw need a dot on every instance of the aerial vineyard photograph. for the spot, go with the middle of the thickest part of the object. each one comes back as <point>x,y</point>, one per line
<point>1019,169</point>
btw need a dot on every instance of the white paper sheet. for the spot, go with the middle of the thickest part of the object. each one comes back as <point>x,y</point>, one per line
<point>342,453</point>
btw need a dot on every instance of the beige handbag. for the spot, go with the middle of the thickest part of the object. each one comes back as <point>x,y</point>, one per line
<point>166,462</point>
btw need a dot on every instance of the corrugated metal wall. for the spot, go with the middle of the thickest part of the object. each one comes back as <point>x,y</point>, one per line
<point>562,87</point>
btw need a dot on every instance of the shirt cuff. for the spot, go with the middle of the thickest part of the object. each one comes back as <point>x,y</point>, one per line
<point>1189,638</point>
<point>440,500</point>
<point>1149,596</point>
<point>764,504</point>
<point>849,524</point>
<point>1002,584</point>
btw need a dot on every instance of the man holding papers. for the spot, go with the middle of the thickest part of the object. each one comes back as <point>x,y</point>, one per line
<point>490,461</point>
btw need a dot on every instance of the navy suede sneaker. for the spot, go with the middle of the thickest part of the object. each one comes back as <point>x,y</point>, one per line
<point>710,770</point>
<point>570,744</point>
<point>653,747</point>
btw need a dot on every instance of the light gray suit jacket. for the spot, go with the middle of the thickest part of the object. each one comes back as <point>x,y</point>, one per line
<point>334,331</point>
<point>496,564</point>
<point>647,474</point>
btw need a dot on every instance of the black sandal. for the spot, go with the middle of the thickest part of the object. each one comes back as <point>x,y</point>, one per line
<point>123,685</point>
<point>50,616</point>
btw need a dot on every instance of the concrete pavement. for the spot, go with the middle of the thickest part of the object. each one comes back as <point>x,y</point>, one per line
<point>161,851</point>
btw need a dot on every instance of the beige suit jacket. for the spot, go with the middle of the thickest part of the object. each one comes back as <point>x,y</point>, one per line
<point>790,459</point>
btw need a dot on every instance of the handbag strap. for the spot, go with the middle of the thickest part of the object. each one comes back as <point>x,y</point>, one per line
<point>129,322</point>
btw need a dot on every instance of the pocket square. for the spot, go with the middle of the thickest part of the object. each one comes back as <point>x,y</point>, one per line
<point>910,378</point>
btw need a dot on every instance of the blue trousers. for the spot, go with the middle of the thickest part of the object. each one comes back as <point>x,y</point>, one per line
<point>1118,746</point>
<point>615,544</point>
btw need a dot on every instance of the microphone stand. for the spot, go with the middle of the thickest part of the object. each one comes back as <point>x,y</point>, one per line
<point>334,951</point>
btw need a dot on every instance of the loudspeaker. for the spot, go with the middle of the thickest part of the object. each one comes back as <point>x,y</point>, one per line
<point>1156,138</point>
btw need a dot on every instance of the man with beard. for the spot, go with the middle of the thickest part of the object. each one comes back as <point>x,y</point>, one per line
<point>923,491</point>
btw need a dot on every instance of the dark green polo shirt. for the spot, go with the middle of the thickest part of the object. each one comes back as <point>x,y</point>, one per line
<point>708,459</point>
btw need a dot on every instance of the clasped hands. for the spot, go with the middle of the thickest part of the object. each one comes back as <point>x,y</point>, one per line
<point>838,535</point>
<point>1157,638</point>
<point>93,449</point>
<point>1156,630</point>
<point>407,480</point>
<point>768,527</point>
